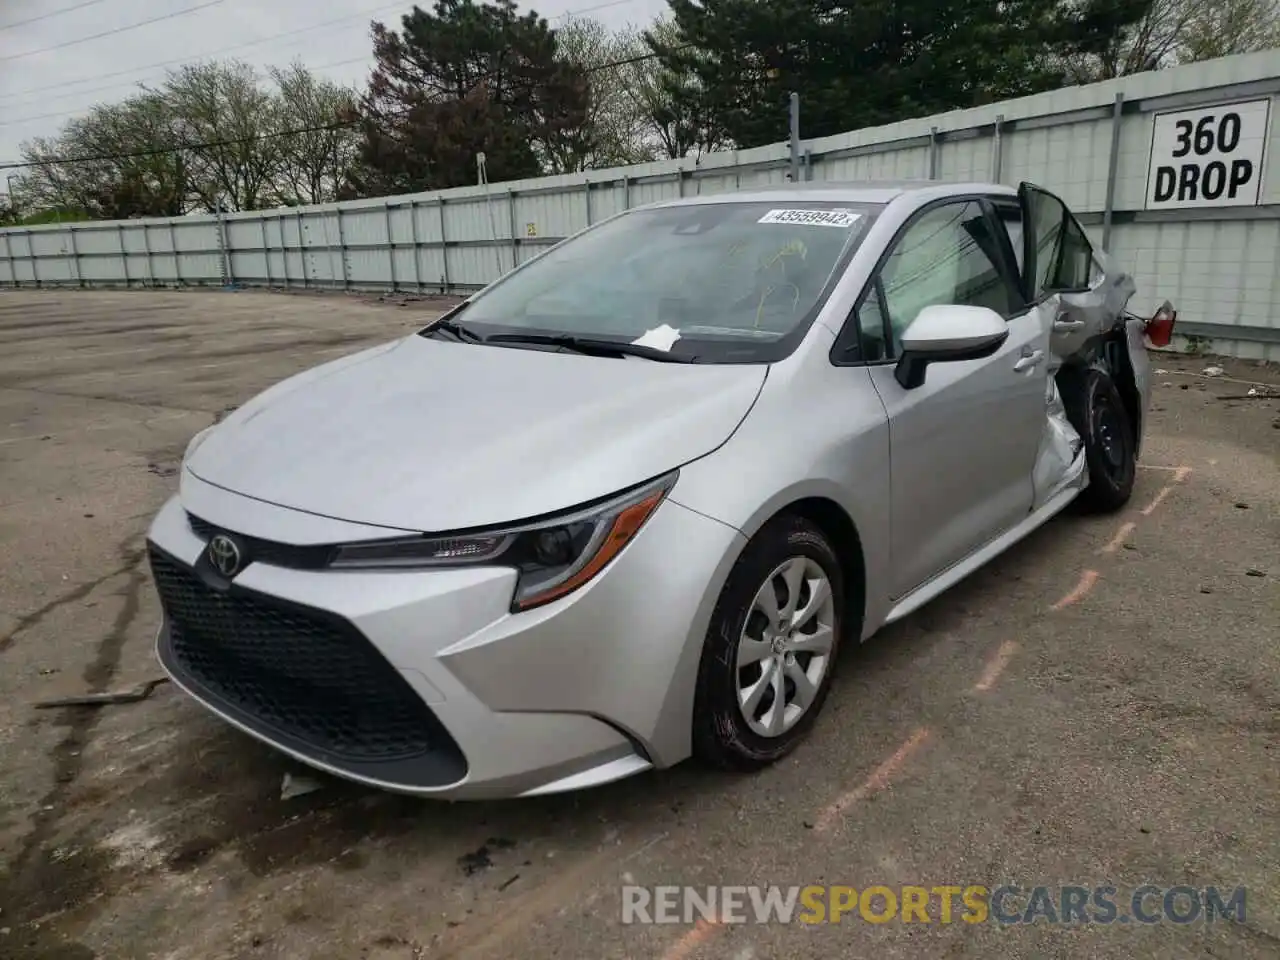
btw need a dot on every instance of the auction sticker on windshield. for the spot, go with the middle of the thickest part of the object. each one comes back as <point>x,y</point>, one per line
<point>812,218</point>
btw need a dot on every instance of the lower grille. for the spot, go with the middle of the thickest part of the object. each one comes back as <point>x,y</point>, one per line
<point>295,674</point>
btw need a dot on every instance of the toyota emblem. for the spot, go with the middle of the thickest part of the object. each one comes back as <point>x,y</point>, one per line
<point>224,554</point>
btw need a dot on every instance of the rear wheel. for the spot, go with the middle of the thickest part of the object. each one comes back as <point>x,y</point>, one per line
<point>1096,409</point>
<point>770,651</point>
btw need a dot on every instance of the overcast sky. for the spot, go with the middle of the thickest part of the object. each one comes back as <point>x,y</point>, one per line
<point>42,87</point>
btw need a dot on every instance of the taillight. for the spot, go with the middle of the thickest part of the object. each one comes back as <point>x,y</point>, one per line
<point>1159,328</point>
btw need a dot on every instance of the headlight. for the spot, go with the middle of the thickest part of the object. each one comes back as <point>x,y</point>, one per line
<point>554,556</point>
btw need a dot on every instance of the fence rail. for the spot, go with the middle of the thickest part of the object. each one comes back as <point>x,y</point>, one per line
<point>1094,145</point>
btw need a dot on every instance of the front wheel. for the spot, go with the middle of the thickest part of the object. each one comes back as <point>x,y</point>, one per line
<point>1095,408</point>
<point>770,651</point>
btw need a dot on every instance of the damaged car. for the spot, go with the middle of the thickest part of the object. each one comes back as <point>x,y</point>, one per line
<point>624,505</point>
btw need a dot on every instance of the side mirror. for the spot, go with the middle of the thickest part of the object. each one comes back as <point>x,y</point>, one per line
<point>948,332</point>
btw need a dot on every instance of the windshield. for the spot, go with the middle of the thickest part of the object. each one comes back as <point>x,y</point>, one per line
<point>725,282</point>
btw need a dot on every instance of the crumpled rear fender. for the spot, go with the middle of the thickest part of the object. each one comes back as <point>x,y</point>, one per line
<point>1093,330</point>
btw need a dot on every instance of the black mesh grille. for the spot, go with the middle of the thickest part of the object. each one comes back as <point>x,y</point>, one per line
<point>294,671</point>
<point>267,551</point>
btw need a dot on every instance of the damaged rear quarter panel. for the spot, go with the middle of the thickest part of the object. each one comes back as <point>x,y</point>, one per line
<point>1091,329</point>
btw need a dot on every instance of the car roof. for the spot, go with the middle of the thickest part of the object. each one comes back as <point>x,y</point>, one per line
<point>852,191</point>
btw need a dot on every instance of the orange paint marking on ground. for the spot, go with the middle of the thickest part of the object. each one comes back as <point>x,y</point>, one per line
<point>702,931</point>
<point>1118,540</point>
<point>1087,579</point>
<point>1179,474</point>
<point>995,666</point>
<point>879,779</point>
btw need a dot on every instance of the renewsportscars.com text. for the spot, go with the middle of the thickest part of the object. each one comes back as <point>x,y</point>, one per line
<point>972,903</point>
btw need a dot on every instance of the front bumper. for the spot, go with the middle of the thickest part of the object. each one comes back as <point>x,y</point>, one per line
<point>423,681</point>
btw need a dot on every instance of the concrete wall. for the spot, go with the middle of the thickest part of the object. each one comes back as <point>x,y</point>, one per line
<point>1092,145</point>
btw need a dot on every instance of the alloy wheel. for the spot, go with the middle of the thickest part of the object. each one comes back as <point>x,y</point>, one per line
<point>784,650</point>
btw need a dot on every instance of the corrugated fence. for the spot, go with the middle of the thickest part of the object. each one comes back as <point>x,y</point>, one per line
<point>1176,172</point>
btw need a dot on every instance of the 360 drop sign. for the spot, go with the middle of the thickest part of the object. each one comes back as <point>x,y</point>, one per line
<point>1211,157</point>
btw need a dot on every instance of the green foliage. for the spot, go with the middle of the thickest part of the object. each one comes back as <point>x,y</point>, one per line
<point>124,170</point>
<point>464,79</point>
<point>870,62</point>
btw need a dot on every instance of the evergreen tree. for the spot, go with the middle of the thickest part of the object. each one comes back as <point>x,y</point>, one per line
<point>463,79</point>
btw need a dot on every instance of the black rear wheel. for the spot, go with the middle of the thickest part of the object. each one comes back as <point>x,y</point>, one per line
<point>1096,410</point>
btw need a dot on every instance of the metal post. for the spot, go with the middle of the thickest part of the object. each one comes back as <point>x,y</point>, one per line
<point>13,264</point>
<point>302,252</point>
<point>266,248</point>
<point>75,254</point>
<point>284,249</point>
<point>124,256</point>
<point>626,193</point>
<point>511,224</point>
<point>933,153</point>
<point>680,180</point>
<point>342,250</point>
<point>413,235</point>
<point>997,148</point>
<point>808,164</point>
<point>1113,165</point>
<point>31,252</point>
<point>391,245</point>
<point>444,252</point>
<point>177,257</point>
<point>586,194</point>
<point>795,137</point>
<point>146,246</point>
<point>224,244</point>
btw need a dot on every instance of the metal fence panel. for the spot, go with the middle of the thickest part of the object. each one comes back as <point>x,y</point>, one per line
<point>1092,145</point>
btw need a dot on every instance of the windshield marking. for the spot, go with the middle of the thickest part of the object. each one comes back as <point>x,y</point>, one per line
<point>812,218</point>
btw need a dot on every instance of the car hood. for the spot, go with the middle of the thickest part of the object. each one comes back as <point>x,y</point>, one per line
<point>431,435</point>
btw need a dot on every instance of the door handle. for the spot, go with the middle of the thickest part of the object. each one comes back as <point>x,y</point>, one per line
<point>1029,360</point>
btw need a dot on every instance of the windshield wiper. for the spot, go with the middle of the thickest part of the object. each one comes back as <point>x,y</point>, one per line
<point>591,346</point>
<point>445,325</point>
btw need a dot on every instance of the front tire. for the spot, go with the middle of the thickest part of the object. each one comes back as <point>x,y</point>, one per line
<point>770,651</point>
<point>1095,408</point>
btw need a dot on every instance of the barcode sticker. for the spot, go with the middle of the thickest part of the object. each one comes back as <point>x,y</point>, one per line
<point>812,218</point>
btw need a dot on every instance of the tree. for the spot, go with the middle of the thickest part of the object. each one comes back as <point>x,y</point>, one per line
<point>672,102</point>
<point>315,165</point>
<point>612,132</point>
<point>1227,27</point>
<point>120,172</point>
<point>224,105</point>
<point>870,62</point>
<point>1175,31</point>
<point>464,79</point>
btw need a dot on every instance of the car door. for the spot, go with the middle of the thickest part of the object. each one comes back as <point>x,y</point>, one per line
<point>963,444</point>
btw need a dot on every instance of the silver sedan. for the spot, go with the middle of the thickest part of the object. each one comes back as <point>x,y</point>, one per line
<point>625,504</point>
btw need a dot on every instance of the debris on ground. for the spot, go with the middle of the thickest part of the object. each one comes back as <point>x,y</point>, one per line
<point>1214,371</point>
<point>298,785</point>
<point>1253,394</point>
<point>1255,572</point>
<point>132,695</point>
<point>475,861</point>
